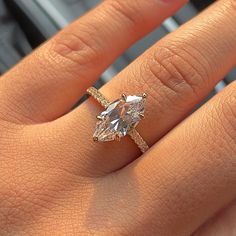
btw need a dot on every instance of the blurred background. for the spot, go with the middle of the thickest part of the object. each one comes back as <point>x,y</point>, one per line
<point>25,24</point>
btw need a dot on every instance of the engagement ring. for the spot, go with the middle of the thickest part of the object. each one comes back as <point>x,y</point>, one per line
<point>119,118</point>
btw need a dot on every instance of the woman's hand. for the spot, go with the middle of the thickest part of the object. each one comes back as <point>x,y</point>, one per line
<point>54,180</point>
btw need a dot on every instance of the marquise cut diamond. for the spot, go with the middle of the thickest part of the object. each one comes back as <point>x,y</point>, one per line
<point>119,118</point>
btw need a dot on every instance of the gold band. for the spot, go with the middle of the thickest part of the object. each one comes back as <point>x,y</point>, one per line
<point>136,137</point>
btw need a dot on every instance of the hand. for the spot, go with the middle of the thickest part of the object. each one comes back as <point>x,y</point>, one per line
<point>56,181</point>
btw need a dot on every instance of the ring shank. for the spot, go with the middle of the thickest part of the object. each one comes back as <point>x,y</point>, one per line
<point>136,137</point>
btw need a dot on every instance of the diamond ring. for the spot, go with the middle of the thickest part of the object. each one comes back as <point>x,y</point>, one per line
<point>119,118</point>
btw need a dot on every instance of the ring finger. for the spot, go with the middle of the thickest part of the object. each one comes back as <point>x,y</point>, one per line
<point>177,73</point>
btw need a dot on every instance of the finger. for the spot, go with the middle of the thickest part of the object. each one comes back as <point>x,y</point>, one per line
<point>222,223</point>
<point>191,173</point>
<point>176,73</point>
<point>48,83</point>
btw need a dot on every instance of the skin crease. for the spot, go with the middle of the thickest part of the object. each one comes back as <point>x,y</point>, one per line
<point>54,180</point>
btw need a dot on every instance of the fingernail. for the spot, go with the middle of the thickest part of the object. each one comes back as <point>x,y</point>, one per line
<point>171,1</point>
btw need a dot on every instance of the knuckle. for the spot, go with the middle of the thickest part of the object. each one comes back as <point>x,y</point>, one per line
<point>173,72</point>
<point>81,49</point>
<point>177,71</point>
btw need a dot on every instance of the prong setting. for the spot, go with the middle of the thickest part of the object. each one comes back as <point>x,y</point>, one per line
<point>117,138</point>
<point>144,95</point>
<point>141,115</point>
<point>95,139</point>
<point>99,118</point>
<point>124,97</point>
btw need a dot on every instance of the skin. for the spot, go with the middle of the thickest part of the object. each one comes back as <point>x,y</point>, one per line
<point>54,180</point>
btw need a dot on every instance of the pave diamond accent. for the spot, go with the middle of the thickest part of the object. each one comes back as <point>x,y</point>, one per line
<point>119,118</point>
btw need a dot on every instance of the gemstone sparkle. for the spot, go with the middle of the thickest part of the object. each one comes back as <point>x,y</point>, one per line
<point>119,118</point>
